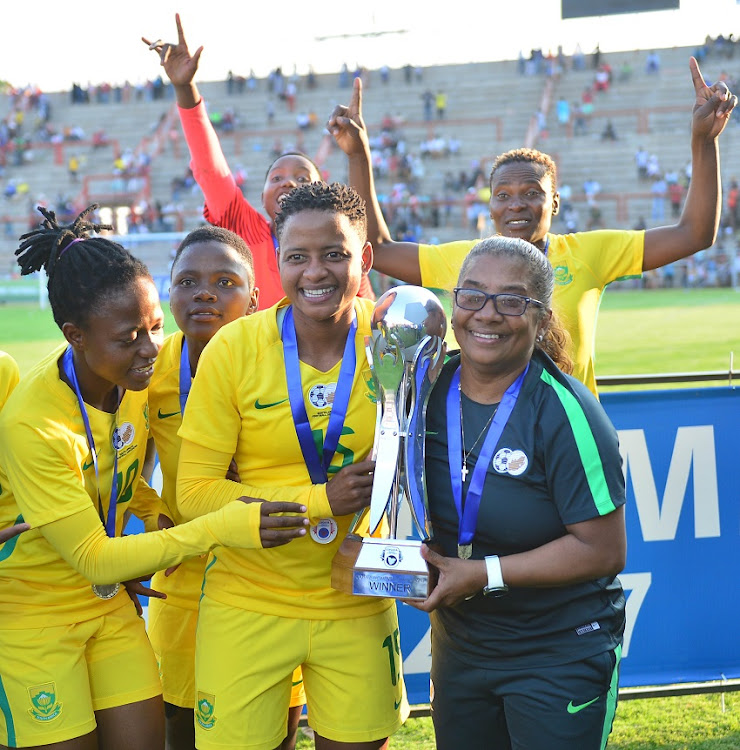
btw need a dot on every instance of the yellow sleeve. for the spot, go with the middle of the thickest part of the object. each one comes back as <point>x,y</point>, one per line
<point>82,542</point>
<point>202,488</point>
<point>9,377</point>
<point>146,505</point>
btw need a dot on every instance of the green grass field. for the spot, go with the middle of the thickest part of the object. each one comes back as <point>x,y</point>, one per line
<point>639,332</point>
<point>662,330</point>
<point>685,723</point>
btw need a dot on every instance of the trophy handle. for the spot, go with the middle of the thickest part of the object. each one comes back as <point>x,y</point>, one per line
<point>426,368</point>
<point>378,403</point>
<point>389,371</point>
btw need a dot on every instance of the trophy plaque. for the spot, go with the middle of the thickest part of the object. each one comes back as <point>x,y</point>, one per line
<point>406,354</point>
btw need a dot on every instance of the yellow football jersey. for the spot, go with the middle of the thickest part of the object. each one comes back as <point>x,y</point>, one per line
<point>9,377</point>
<point>239,406</point>
<point>46,474</point>
<point>583,263</point>
<point>183,586</point>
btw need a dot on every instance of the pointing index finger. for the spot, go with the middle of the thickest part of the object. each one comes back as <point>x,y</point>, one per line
<point>355,105</point>
<point>696,77</point>
<point>180,32</point>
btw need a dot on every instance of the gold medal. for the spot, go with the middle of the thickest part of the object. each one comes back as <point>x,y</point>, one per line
<point>464,551</point>
<point>106,590</point>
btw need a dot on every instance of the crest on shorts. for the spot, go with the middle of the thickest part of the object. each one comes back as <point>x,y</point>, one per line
<point>44,703</point>
<point>205,708</point>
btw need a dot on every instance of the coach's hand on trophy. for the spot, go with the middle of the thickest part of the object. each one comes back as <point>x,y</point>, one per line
<point>276,530</point>
<point>457,580</point>
<point>350,488</point>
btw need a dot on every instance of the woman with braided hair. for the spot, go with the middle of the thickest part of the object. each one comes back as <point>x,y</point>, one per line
<point>78,672</point>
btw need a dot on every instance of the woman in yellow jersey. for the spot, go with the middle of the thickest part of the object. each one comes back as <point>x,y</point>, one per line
<point>212,283</point>
<point>524,199</point>
<point>77,671</point>
<point>288,394</point>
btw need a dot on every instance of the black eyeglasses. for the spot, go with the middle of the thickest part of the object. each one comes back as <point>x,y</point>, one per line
<point>504,304</point>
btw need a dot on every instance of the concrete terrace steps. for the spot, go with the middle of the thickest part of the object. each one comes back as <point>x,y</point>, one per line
<point>486,101</point>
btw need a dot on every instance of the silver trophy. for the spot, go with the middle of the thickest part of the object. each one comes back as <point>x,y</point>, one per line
<point>406,354</point>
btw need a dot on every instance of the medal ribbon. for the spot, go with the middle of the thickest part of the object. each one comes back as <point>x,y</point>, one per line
<point>109,522</point>
<point>317,465</point>
<point>185,376</point>
<point>468,514</point>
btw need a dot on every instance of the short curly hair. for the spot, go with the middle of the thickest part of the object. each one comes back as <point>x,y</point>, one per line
<point>526,155</point>
<point>318,196</point>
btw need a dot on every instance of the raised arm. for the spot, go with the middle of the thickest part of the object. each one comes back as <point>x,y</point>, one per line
<point>210,169</point>
<point>699,222</point>
<point>397,259</point>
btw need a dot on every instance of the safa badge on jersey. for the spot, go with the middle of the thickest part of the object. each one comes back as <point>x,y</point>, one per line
<point>322,396</point>
<point>508,461</point>
<point>325,531</point>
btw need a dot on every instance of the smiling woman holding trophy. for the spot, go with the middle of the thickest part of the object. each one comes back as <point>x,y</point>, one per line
<point>288,394</point>
<point>526,496</point>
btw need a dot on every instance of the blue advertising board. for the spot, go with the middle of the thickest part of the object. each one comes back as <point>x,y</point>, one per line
<point>681,453</point>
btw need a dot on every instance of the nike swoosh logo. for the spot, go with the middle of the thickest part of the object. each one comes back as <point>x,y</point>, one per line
<point>86,465</point>
<point>396,705</point>
<point>164,416</point>
<point>575,709</point>
<point>258,405</point>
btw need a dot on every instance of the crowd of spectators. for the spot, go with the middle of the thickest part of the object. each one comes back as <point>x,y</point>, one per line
<point>415,205</point>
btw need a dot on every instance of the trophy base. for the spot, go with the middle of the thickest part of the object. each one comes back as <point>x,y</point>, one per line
<point>391,568</point>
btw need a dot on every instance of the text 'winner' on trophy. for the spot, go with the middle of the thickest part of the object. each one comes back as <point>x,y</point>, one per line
<point>406,354</point>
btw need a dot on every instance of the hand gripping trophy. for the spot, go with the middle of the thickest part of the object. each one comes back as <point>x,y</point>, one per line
<point>406,354</point>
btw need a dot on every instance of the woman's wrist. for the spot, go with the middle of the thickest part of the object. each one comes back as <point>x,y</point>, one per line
<point>187,95</point>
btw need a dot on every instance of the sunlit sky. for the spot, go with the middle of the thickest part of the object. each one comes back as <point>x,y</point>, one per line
<point>51,43</point>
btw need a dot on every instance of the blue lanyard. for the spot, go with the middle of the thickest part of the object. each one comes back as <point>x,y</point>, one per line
<point>185,376</point>
<point>317,466</point>
<point>547,245</point>
<point>68,366</point>
<point>469,514</point>
<point>274,242</point>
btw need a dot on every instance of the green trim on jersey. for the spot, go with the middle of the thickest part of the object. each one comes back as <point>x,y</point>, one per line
<point>611,698</point>
<point>5,709</point>
<point>6,550</point>
<point>203,585</point>
<point>587,448</point>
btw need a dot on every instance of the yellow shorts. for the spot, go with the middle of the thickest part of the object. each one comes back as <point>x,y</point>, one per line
<point>52,680</point>
<point>244,663</point>
<point>172,633</point>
